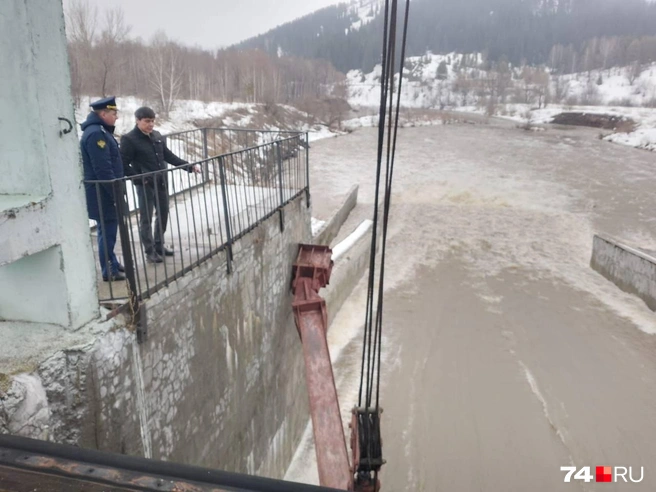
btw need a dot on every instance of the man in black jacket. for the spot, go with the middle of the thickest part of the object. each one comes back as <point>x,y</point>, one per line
<point>143,150</point>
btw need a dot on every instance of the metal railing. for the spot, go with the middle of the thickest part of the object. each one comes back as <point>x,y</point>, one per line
<point>200,144</point>
<point>198,215</point>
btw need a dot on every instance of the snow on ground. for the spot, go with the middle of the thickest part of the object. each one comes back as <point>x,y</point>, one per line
<point>180,119</point>
<point>420,89</point>
<point>186,112</point>
<point>365,10</point>
<point>643,138</point>
<point>611,89</point>
<point>353,238</point>
<point>317,224</point>
<point>321,133</point>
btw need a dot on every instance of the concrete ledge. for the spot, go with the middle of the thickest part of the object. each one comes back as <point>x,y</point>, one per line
<point>632,270</point>
<point>331,228</point>
<point>348,270</point>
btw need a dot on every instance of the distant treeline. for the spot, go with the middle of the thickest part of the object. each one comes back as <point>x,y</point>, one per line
<point>106,60</point>
<point>521,31</point>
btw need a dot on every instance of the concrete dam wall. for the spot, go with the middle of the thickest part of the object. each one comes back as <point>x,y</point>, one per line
<point>631,269</point>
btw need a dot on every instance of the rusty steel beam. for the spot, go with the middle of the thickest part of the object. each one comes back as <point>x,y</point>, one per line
<point>312,272</point>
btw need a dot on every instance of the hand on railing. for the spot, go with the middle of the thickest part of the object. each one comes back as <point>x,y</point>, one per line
<point>196,168</point>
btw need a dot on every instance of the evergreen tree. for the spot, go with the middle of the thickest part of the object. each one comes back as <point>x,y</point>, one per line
<point>442,71</point>
<point>520,30</point>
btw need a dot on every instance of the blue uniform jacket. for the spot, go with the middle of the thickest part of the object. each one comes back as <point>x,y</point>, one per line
<point>102,161</point>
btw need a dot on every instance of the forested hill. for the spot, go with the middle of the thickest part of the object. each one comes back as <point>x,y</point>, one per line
<point>349,35</point>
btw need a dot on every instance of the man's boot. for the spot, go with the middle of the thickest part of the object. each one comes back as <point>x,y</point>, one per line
<point>153,257</point>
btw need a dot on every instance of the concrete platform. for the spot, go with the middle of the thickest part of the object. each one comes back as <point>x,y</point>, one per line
<point>196,228</point>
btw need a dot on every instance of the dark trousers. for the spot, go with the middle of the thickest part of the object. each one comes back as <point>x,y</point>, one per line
<point>153,198</point>
<point>107,231</point>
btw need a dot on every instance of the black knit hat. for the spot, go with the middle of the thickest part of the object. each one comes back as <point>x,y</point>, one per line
<point>144,112</point>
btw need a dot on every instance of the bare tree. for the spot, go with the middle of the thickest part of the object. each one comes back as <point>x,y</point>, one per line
<point>590,96</point>
<point>561,88</point>
<point>104,59</point>
<point>528,120</point>
<point>635,70</point>
<point>528,74</point>
<point>607,48</point>
<point>463,86</point>
<point>541,80</point>
<point>114,33</point>
<point>81,22</point>
<point>165,72</point>
<point>503,80</point>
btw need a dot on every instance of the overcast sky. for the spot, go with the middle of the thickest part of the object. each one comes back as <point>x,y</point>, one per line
<point>209,23</point>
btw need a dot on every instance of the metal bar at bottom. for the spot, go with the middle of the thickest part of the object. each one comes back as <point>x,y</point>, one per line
<point>28,464</point>
<point>206,169</point>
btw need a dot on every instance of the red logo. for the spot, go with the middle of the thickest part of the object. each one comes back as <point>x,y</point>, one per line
<point>604,474</point>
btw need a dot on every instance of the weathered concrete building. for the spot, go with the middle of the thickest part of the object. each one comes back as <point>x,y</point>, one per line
<point>46,272</point>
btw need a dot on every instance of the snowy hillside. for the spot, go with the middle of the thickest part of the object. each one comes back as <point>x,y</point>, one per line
<point>421,86</point>
<point>189,114</point>
<point>364,10</point>
<point>457,82</point>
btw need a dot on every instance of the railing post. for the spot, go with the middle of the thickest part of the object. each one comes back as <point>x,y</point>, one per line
<point>307,169</point>
<point>226,213</point>
<point>205,148</point>
<point>123,214</point>
<point>206,168</point>
<point>281,211</point>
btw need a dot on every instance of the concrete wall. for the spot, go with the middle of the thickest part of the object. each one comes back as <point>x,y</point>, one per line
<point>223,365</point>
<point>632,270</point>
<point>332,226</point>
<point>41,196</point>
<point>220,381</point>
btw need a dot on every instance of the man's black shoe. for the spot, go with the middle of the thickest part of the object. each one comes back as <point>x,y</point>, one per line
<point>120,268</point>
<point>164,252</point>
<point>114,277</point>
<point>154,258</point>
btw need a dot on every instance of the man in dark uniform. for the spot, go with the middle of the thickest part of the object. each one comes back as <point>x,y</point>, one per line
<point>144,150</point>
<point>102,161</point>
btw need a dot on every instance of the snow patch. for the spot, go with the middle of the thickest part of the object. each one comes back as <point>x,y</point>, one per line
<point>27,407</point>
<point>364,11</point>
<point>317,225</point>
<point>643,138</point>
<point>353,238</point>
